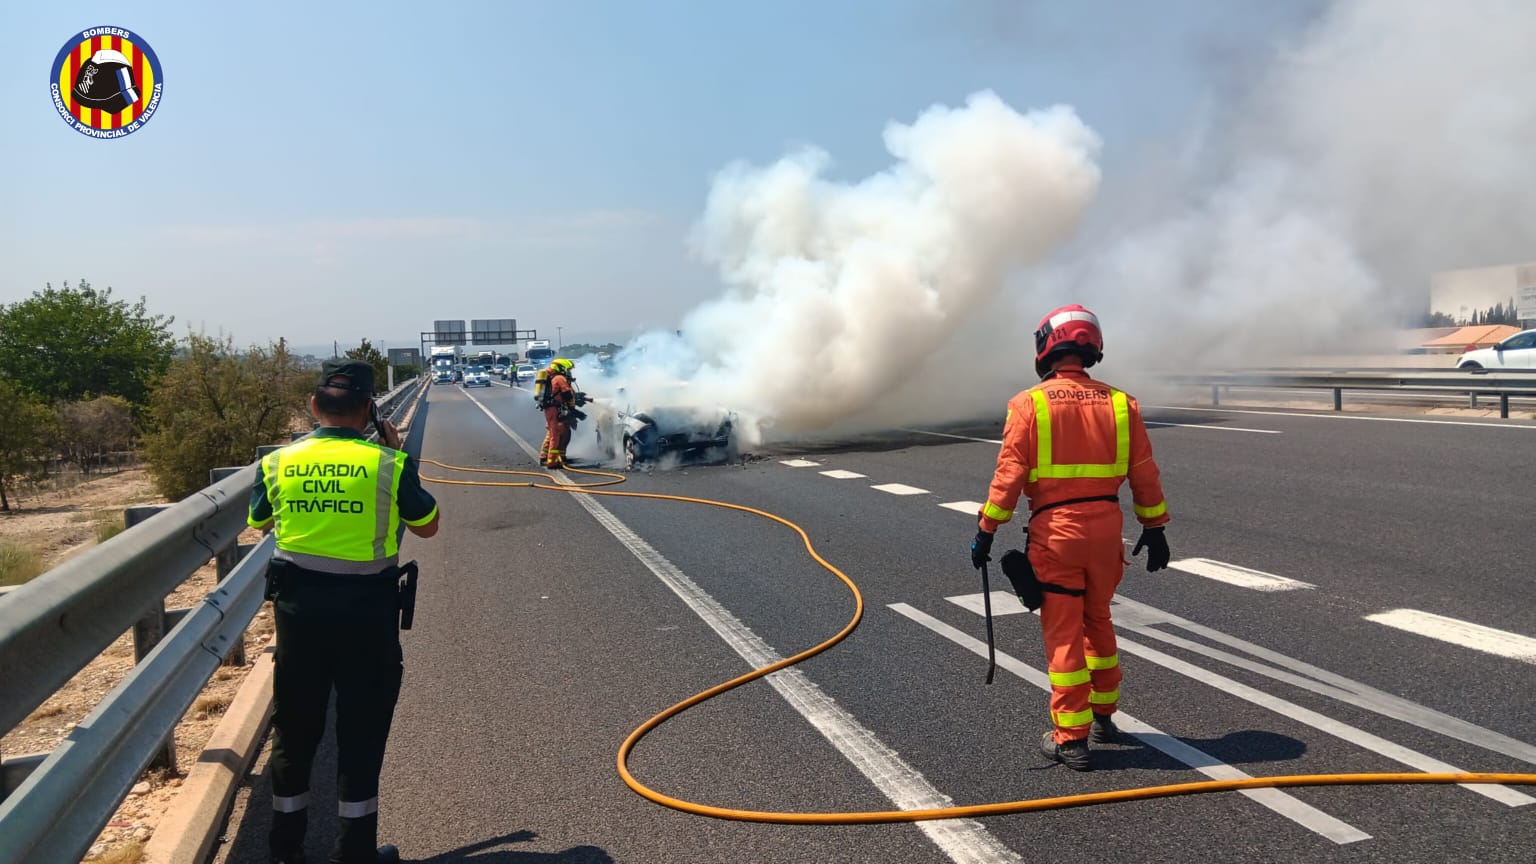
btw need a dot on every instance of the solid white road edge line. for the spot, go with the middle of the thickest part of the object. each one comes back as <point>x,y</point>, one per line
<point>1458,632</point>
<point>1242,577</point>
<point>963,840</point>
<point>1155,423</point>
<point>956,437</point>
<point>1501,425</point>
<point>1283,803</point>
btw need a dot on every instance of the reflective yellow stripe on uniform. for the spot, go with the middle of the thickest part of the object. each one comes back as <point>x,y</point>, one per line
<point>1109,662</point>
<point>1109,697</point>
<point>1070,679</point>
<point>1074,718</point>
<point>1045,465</point>
<point>1152,512</point>
<point>996,513</point>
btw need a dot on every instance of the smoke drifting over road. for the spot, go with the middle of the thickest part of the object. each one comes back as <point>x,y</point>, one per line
<point>836,290</point>
<point>1391,141</point>
<point>1383,141</point>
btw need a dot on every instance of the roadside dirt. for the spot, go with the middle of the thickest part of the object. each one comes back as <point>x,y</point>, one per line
<point>62,523</point>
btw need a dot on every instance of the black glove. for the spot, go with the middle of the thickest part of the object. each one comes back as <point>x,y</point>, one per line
<point>1157,548</point>
<point>981,549</point>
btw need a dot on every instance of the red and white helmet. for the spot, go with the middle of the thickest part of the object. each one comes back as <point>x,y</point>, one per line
<point>1070,329</point>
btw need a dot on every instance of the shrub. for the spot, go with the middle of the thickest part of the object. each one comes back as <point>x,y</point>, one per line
<point>19,563</point>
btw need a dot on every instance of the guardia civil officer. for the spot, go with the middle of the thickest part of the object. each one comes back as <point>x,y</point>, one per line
<point>336,504</point>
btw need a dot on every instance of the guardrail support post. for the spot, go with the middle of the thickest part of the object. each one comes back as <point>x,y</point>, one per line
<point>224,562</point>
<point>1338,398</point>
<point>147,633</point>
<point>1504,405</point>
<point>1471,400</point>
<point>1215,394</point>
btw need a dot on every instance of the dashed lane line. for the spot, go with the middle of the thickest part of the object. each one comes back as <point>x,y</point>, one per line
<point>840,474</point>
<point>1283,803</point>
<point>1458,632</point>
<point>969,508</point>
<point>799,463</point>
<point>1242,577</point>
<point>963,840</point>
<point>899,489</point>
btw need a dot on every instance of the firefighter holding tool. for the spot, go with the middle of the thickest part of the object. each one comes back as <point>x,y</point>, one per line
<point>1069,443</point>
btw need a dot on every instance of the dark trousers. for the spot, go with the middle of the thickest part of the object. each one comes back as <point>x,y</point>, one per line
<point>341,632</point>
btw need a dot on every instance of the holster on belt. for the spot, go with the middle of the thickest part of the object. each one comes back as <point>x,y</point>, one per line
<point>406,574</point>
<point>1030,590</point>
<point>276,571</point>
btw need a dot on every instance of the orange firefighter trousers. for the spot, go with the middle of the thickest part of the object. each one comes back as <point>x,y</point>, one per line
<point>1078,546</point>
<point>557,436</point>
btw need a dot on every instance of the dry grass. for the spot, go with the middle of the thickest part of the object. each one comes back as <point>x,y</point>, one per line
<point>212,705</point>
<point>129,853</point>
<point>109,524</point>
<point>19,563</point>
<point>45,712</point>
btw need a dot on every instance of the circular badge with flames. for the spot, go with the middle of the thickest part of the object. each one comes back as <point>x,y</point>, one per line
<point>106,82</point>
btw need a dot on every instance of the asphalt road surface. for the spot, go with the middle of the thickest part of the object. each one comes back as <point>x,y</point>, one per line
<point>1349,594</point>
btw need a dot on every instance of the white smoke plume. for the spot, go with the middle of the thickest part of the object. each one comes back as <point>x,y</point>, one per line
<point>835,291</point>
<point>1390,142</point>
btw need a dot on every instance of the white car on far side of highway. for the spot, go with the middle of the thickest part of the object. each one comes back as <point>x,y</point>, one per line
<point>1516,352</point>
<point>476,375</point>
<point>526,372</point>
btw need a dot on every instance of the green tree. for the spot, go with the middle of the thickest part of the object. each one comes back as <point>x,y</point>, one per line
<point>370,355</point>
<point>26,429</point>
<point>66,344</point>
<point>1438,319</point>
<point>216,405</point>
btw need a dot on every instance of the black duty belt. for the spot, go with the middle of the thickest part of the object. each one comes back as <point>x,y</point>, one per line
<point>1055,504</point>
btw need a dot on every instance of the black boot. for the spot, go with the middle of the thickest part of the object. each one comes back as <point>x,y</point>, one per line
<point>1104,730</point>
<point>1073,754</point>
<point>389,855</point>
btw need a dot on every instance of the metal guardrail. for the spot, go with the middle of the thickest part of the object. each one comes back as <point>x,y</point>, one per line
<point>51,627</point>
<point>1500,383</point>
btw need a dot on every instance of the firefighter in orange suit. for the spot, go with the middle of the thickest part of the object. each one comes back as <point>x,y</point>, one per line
<point>559,401</point>
<point>1068,444</point>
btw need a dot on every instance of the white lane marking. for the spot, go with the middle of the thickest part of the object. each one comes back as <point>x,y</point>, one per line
<point>956,437</point>
<point>900,489</point>
<point>970,508</point>
<point>799,463</point>
<point>1242,577</point>
<point>1337,416</point>
<point>840,474</point>
<point>1457,632</point>
<point>1283,803</point>
<point>1155,423</point>
<point>1337,728</point>
<point>963,840</point>
<point>1139,618</point>
<point>1003,603</point>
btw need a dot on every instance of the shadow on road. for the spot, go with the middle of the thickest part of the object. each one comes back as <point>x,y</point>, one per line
<point>487,852</point>
<point>1234,748</point>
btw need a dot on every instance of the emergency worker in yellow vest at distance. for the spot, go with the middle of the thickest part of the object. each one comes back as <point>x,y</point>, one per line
<point>338,506</point>
<point>1069,444</point>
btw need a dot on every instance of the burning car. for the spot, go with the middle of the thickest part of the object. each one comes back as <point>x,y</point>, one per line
<point>688,433</point>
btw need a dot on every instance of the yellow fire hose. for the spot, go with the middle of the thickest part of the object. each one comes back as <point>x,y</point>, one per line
<point>879,816</point>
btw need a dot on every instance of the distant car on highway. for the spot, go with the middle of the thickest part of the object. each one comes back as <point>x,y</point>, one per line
<point>526,372</point>
<point>1516,352</point>
<point>476,375</point>
<point>442,376</point>
<point>499,370</point>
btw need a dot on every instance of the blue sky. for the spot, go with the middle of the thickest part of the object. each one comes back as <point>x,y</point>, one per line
<point>327,171</point>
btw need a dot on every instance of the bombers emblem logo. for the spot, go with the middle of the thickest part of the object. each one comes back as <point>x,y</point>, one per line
<point>106,82</point>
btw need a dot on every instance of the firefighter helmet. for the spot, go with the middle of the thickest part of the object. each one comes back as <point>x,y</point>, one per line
<point>561,365</point>
<point>1068,330</point>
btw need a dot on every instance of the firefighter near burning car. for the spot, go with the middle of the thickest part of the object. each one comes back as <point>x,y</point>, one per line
<point>557,395</point>
<point>1069,443</point>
